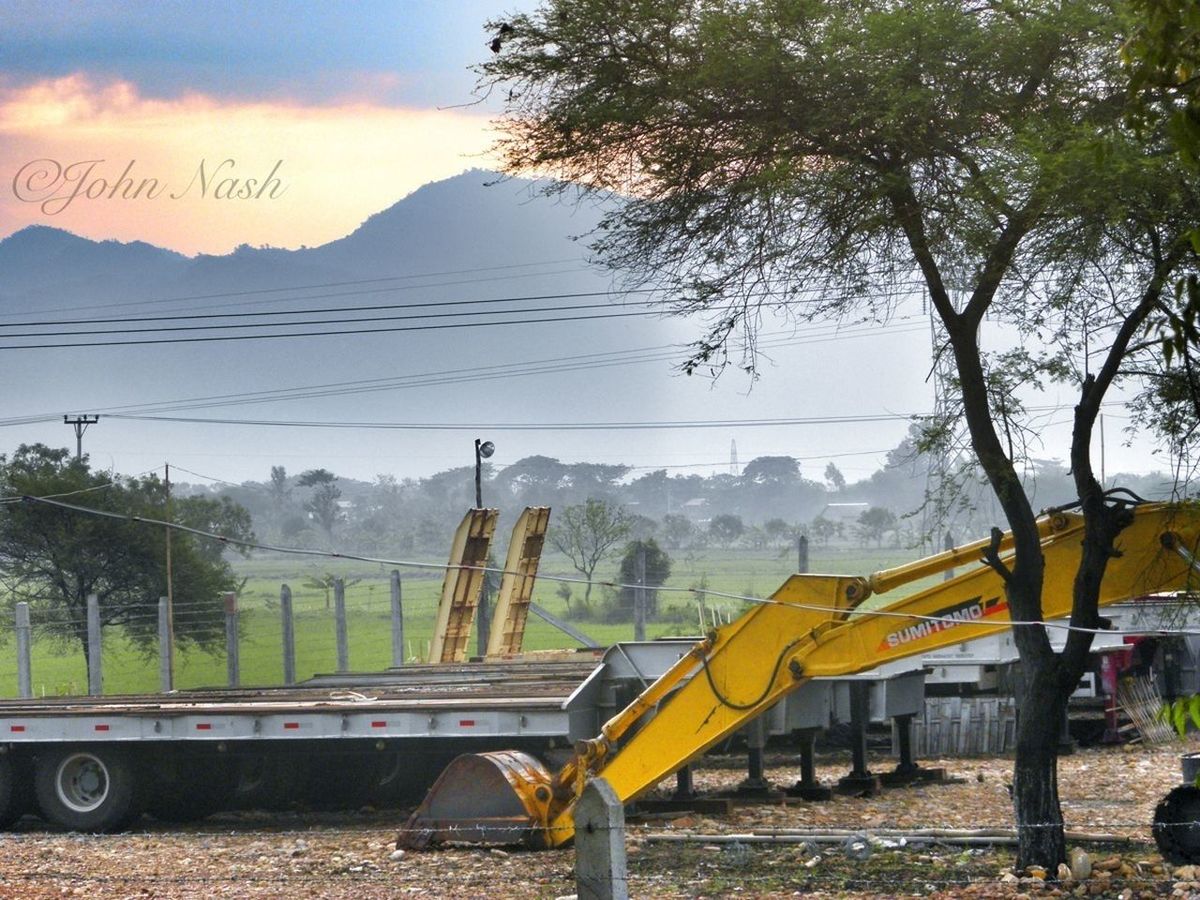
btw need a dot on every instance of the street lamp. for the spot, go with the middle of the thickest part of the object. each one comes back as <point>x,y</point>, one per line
<point>483,450</point>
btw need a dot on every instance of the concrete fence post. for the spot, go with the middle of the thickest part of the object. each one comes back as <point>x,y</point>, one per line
<point>601,871</point>
<point>397,621</point>
<point>165,681</point>
<point>24,641</point>
<point>95,676</point>
<point>339,622</point>
<point>232,663</point>
<point>289,635</point>
<point>639,596</point>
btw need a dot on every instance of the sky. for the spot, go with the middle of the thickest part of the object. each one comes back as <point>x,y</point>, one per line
<point>357,103</point>
<point>336,110</point>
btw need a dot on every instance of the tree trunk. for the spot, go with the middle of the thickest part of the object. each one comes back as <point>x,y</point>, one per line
<point>1041,703</point>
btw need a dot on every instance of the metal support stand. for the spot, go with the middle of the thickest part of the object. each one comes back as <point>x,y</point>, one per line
<point>684,788</point>
<point>808,788</point>
<point>755,786</point>
<point>908,770</point>
<point>860,781</point>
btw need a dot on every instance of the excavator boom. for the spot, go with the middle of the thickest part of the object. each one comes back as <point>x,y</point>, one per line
<point>808,628</point>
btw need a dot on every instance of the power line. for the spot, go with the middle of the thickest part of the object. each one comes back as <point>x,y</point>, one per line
<point>308,322</point>
<point>540,426</point>
<point>318,286</point>
<point>574,362</point>
<point>261,337</point>
<point>554,426</point>
<point>304,312</point>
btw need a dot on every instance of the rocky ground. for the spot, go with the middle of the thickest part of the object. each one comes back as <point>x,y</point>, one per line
<point>1105,791</point>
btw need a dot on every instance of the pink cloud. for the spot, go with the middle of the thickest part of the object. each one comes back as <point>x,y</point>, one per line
<point>337,162</point>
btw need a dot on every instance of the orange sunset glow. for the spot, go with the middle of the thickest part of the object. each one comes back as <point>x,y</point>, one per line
<point>200,174</point>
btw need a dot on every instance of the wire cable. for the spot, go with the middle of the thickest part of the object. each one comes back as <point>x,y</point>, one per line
<point>694,591</point>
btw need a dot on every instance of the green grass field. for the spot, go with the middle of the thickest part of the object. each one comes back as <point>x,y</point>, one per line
<point>59,669</point>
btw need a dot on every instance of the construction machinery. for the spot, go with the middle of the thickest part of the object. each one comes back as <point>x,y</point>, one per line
<point>813,626</point>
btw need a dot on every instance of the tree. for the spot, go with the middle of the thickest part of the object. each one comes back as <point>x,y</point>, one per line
<point>279,488</point>
<point>323,504</point>
<point>54,558</point>
<point>726,528</point>
<point>777,529</point>
<point>808,156</point>
<point>658,570</point>
<point>587,534</point>
<point>1163,59</point>
<point>772,471</point>
<point>325,581</point>
<point>677,530</point>
<point>823,529</point>
<point>875,522</point>
<point>834,476</point>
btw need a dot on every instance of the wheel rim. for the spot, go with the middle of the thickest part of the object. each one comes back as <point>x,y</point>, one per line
<point>82,782</point>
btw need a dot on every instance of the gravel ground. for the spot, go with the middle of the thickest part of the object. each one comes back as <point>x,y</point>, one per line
<point>350,855</point>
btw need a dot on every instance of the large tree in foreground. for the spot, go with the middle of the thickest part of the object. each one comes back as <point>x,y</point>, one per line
<point>54,558</point>
<point>827,158</point>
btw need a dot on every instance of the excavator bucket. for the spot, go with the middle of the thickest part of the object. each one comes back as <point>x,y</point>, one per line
<point>483,798</point>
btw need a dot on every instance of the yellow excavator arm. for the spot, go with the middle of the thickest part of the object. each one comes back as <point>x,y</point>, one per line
<point>808,628</point>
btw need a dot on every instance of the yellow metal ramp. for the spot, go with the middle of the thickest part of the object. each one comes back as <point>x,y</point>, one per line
<point>516,585</point>
<point>462,586</point>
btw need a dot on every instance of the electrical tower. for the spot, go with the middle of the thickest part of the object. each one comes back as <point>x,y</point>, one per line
<point>80,424</point>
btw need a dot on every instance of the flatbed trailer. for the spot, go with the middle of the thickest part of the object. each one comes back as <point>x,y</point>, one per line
<point>94,763</point>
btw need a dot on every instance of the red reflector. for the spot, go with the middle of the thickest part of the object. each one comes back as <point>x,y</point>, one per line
<point>466,723</point>
<point>17,728</point>
<point>102,728</point>
<point>290,725</point>
<point>204,726</point>
<point>379,724</point>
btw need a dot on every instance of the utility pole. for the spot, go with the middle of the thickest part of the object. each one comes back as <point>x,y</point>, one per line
<point>483,450</point>
<point>170,586</point>
<point>80,423</point>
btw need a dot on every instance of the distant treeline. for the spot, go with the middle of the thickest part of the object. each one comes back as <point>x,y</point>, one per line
<point>773,500</point>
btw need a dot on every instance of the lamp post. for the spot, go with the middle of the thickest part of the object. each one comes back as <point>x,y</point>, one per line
<point>483,450</point>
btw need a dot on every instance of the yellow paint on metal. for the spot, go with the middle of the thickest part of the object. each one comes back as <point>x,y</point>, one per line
<point>516,584</point>
<point>462,586</point>
<point>744,668</point>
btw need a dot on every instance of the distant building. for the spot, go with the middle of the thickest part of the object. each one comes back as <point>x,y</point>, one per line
<point>845,514</point>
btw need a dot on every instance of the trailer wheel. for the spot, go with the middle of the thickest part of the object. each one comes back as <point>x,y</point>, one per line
<point>86,789</point>
<point>1177,825</point>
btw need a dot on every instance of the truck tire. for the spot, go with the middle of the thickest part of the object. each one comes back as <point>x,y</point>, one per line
<point>87,789</point>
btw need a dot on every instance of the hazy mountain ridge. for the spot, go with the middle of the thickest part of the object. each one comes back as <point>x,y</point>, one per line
<point>461,239</point>
<point>465,222</point>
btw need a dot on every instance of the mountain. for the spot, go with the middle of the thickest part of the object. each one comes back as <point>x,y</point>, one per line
<point>466,240</point>
<point>474,220</point>
<point>41,264</point>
